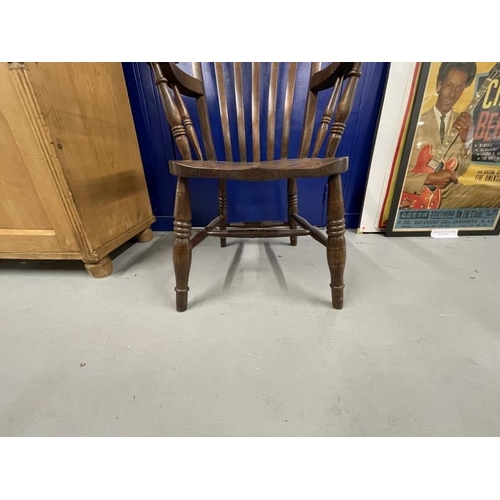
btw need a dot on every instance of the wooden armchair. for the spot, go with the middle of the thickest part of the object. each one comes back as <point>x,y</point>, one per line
<point>199,156</point>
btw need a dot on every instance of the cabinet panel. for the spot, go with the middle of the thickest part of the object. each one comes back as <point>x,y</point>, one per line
<point>31,244</point>
<point>32,216</point>
<point>85,107</point>
<point>20,206</point>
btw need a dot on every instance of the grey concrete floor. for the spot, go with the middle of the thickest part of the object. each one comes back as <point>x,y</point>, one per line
<point>260,352</point>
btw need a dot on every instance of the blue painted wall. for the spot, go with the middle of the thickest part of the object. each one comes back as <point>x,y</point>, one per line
<point>261,200</point>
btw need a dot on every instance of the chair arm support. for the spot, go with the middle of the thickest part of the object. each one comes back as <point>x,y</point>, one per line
<point>188,85</point>
<point>327,77</point>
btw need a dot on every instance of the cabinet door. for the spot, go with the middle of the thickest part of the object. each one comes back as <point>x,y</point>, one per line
<point>33,220</point>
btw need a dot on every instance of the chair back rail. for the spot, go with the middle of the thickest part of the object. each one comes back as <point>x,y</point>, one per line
<point>319,126</point>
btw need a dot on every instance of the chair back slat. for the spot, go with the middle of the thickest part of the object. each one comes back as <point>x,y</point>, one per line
<point>224,115</point>
<point>271,110</point>
<point>309,115</point>
<point>240,110</point>
<point>201,105</point>
<point>287,113</point>
<point>255,111</point>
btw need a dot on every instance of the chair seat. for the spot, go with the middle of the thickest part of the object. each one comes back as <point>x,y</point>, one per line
<point>260,170</point>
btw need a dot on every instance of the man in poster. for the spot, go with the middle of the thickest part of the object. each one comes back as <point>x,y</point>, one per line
<point>434,125</point>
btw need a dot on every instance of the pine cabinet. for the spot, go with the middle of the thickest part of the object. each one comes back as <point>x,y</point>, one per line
<point>72,184</point>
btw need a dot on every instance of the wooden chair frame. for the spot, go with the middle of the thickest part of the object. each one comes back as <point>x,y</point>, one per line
<point>173,83</point>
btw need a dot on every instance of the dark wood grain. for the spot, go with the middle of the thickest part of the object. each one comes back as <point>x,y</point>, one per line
<point>309,115</point>
<point>264,223</point>
<point>335,246</point>
<point>293,208</point>
<point>315,232</point>
<point>223,208</point>
<point>203,233</point>
<point>187,122</point>
<point>292,196</point>
<point>187,84</point>
<point>327,77</point>
<point>224,115</point>
<point>259,171</point>
<point>326,119</point>
<point>255,111</point>
<point>343,110</point>
<point>182,249</point>
<point>305,142</point>
<point>201,106</point>
<point>259,233</point>
<point>271,111</point>
<point>173,114</point>
<point>173,84</point>
<point>240,110</point>
<point>287,113</point>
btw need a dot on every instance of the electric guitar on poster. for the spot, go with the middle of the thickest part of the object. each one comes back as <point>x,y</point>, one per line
<point>429,162</point>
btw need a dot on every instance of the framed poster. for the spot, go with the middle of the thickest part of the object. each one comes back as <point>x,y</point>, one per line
<point>387,149</point>
<point>449,174</point>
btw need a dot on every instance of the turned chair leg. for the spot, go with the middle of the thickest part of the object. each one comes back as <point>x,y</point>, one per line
<point>182,246</point>
<point>335,248</point>
<point>223,209</point>
<point>292,208</point>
